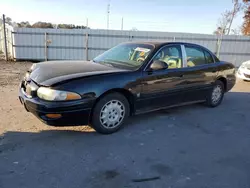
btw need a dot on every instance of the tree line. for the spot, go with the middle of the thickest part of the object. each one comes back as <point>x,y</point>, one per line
<point>224,25</point>
<point>26,24</point>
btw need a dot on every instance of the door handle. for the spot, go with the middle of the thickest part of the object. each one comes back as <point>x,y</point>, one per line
<point>150,72</point>
<point>181,76</point>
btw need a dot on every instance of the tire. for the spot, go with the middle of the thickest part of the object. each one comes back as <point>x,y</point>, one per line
<point>111,109</point>
<point>216,95</point>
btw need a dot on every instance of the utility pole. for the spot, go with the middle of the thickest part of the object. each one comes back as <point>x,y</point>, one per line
<point>87,22</point>
<point>122,24</point>
<point>108,11</point>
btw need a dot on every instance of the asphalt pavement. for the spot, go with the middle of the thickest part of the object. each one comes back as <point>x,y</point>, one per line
<point>185,147</point>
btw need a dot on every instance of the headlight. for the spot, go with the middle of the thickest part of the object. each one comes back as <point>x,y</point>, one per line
<point>56,95</point>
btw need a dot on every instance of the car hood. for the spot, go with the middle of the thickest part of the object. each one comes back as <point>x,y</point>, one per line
<point>247,64</point>
<point>52,72</point>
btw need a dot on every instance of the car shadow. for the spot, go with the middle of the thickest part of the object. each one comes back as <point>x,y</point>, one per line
<point>153,146</point>
<point>233,101</point>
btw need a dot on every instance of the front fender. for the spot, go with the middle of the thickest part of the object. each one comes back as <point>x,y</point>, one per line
<point>96,86</point>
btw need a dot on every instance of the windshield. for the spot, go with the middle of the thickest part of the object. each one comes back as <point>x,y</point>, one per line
<point>129,56</point>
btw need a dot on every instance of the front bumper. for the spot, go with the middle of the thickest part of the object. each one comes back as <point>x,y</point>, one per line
<point>72,112</point>
<point>243,74</point>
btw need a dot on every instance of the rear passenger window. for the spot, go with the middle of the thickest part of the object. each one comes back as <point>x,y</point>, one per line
<point>195,56</point>
<point>209,57</point>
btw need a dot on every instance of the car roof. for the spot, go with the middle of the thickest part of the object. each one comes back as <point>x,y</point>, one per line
<point>161,43</point>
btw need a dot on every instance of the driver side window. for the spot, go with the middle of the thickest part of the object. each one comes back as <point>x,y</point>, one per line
<point>171,55</point>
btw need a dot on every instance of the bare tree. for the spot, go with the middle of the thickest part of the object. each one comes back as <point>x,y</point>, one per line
<point>236,9</point>
<point>236,31</point>
<point>225,22</point>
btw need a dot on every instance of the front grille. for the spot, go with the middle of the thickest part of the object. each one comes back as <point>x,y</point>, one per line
<point>29,88</point>
<point>247,76</point>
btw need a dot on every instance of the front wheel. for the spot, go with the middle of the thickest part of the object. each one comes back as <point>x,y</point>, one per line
<point>215,96</point>
<point>110,113</point>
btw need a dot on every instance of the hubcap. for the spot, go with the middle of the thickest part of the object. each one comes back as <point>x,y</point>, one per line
<point>112,114</point>
<point>216,94</point>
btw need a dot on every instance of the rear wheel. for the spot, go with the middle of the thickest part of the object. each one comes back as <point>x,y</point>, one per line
<point>216,95</point>
<point>110,113</point>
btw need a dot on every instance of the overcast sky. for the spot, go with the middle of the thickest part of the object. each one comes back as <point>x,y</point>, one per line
<point>154,15</point>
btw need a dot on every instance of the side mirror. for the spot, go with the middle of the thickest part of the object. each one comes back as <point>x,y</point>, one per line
<point>158,65</point>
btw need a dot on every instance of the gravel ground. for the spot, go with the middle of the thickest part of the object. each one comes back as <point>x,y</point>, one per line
<point>188,147</point>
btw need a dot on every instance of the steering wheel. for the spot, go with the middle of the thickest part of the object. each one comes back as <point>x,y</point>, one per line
<point>140,59</point>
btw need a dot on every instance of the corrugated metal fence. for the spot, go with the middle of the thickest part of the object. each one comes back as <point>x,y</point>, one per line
<point>57,44</point>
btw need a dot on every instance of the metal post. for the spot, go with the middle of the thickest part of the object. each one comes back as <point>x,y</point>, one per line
<point>5,40</point>
<point>86,46</point>
<point>45,47</point>
<point>12,45</point>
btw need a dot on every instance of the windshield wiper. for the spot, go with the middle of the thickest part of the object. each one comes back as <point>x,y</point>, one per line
<point>120,62</point>
<point>106,63</point>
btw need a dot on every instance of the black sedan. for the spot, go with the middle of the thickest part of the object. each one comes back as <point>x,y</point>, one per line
<point>129,79</point>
